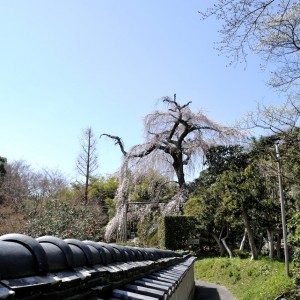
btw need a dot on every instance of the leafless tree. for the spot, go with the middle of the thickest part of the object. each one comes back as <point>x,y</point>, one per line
<point>50,183</point>
<point>175,140</point>
<point>269,28</point>
<point>18,183</point>
<point>22,183</point>
<point>281,120</point>
<point>87,162</point>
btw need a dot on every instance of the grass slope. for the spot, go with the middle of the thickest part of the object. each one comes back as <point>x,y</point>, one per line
<point>263,279</point>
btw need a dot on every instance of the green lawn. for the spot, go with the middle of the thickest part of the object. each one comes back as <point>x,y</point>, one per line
<point>247,280</point>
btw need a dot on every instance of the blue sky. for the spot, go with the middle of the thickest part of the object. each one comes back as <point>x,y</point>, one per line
<point>67,65</point>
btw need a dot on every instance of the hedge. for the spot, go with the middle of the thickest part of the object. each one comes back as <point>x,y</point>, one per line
<point>176,231</point>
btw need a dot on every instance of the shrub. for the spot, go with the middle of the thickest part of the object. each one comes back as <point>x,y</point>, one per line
<point>66,220</point>
<point>175,232</point>
<point>147,231</point>
<point>240,253</point>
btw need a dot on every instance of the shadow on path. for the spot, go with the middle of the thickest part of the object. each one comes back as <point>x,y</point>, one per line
<point>209,291</point>
<point>204,293</point>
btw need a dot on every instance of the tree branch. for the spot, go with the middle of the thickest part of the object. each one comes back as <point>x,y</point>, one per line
<point>118,141</point>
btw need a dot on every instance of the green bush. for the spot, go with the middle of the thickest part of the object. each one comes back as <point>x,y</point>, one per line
<point>66,220</point>
<point>240,253</point>
<point>147,231</point>
<point>176,231</point>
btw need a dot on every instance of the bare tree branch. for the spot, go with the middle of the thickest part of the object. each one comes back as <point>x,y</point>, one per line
<point>118,141</point>
<point>268,28</point>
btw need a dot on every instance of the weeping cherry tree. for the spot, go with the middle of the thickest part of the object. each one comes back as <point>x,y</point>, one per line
<point>175,140</point>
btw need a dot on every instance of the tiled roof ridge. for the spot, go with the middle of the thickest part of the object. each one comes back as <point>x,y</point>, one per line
<point>52,268</point>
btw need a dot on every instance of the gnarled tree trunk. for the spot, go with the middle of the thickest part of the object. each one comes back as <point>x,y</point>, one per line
<point>243,240</point>
<point>250,232</point>
<point>219,242</point>
<point>225,244</point>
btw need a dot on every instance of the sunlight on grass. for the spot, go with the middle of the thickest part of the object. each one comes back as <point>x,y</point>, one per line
<point>263,279</point>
